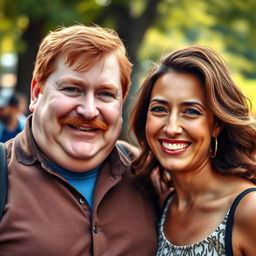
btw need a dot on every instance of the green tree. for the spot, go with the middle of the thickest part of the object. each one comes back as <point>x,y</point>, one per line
<point>130,23</point>
<point>147,28</point>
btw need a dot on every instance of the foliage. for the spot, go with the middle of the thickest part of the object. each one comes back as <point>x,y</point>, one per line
<point>148,28</point>
<point>248,86</point>
<point>226,26</point>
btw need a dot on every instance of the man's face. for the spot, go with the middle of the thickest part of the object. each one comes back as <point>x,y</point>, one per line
<point>77,118</point>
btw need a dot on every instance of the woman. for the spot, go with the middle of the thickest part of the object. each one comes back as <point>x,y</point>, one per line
<point>192,122</point>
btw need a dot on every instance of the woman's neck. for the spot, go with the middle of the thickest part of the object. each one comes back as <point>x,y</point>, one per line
<point>199,186</point>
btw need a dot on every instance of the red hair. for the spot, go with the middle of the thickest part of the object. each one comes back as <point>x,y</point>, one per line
<point>83,46</point>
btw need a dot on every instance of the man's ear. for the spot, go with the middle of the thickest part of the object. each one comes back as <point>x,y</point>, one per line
<point>35,90</point>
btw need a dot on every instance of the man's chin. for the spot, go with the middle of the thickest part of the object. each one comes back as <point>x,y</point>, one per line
<point>83,155</point>
<point>88,153</point>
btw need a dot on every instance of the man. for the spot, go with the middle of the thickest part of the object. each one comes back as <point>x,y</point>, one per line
<point>11,120</point>
<point>70,189</point>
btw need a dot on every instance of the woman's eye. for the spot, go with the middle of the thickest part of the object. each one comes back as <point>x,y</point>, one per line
<point>192,111</point>
<point>158,109</point>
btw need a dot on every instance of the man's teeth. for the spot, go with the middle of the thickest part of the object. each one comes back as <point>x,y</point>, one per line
<point>174,146</point>
<point>83,128</point>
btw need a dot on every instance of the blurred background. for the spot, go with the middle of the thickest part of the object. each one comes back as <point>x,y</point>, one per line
<point>148,28</point>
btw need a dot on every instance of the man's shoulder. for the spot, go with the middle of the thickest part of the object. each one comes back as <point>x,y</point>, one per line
<point>127,151</point>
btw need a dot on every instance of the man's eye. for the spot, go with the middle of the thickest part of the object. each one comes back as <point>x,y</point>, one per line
<point>71,89</point>
<point>158,109</point>
<point>107,94</point>
<point>192,111</point>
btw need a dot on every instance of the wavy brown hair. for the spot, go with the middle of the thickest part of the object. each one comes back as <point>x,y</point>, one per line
<point>82,46</point>
<point>237,140</point>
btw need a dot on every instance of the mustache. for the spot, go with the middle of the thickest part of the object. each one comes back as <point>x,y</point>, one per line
<point>78,121</point>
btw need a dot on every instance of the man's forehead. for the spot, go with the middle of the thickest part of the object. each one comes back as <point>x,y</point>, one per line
<point>105,71</point>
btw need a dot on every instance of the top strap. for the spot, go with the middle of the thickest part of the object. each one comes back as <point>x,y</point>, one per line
<point>3,178</point>
<point>230,221</point>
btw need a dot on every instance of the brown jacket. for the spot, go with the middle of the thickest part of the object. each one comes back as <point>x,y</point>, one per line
<point>45,216</point>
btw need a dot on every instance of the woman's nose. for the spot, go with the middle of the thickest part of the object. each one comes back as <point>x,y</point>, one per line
<point>173,125</point>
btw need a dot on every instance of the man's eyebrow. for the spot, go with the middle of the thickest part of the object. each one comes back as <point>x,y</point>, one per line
<point>79,82</point>
<point>69,81</point>
<point>109,85</point>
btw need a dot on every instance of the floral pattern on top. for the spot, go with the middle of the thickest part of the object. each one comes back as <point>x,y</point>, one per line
<point>213,245</point>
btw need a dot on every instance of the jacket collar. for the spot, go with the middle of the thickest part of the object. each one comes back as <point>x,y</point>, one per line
<point>25,146</point>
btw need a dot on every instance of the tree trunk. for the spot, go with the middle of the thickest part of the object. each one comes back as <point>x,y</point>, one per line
<point>132,31</point>
<point>32,37</point>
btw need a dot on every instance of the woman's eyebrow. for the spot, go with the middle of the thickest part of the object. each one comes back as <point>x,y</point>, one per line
<point>161,101</point>
<point>185,103</point>
<point>192,103</point>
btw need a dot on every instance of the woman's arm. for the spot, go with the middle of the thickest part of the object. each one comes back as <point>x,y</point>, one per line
<point>244,229</point>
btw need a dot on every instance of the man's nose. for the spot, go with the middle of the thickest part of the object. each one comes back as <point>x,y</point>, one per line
<point>173,125</point>
<point>88,107</point>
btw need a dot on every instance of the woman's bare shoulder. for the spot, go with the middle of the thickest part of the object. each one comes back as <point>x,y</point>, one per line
<point>244,229</point>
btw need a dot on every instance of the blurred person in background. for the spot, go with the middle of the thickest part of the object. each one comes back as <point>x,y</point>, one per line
<point>12,121</point>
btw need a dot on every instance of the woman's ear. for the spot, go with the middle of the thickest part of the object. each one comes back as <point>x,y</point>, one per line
<point>217,129</point>
<point>35,90</point>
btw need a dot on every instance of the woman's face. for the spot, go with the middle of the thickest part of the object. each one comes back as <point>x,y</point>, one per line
<point>179,124</point>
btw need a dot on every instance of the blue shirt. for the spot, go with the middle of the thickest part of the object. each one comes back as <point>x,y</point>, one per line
<point>84,182</point>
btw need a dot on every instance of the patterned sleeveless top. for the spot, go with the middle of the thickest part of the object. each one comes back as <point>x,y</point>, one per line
<point>213,245</point>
